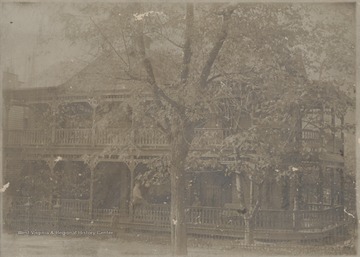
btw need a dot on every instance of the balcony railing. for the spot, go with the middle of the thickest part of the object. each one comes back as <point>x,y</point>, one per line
<point>204,137</point>
<point>28,137</point>
<point>150,137</point>
<point>73,136</point>
<point>85,137</point>
<point>112,136</point>
<point>311,137</point>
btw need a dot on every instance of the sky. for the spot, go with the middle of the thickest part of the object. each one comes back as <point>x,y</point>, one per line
<point>33,44</point>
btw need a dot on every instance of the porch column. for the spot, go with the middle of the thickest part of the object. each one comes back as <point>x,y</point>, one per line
<point>298,203</point>
<point>267,197</point>
<point>54,106</point>
<point>6,122</point>
<point>322,123</point>
<point>51,164</point>
<point>320,187</point>
<point>94,103</point>
<point>298,200</point>
<point>252,192</point>
<point>342,120</point>
<point>131,165</point>
<point>333,130</point>
<point>91,196</point>
<point>240,190</point>
<point>332,186</point>
<point>341,188</point>
<point>285,192</point>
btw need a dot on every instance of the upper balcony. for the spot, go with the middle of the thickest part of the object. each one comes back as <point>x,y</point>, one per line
<point>85,137</point>
<point>205,138</point>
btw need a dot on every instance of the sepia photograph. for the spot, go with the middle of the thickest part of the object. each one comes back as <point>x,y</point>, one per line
<point>178,129</point>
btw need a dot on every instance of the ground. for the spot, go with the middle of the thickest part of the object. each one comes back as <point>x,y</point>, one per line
<point>15,245</point>
<point>64,246</point>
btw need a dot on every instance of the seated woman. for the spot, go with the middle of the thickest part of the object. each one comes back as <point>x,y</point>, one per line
<point>137,198</point>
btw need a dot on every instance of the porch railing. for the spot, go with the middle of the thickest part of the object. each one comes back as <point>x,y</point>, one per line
<point>228,218</point>
<point>159,215</point>
<point>274,219</point>
<point>152,213</point>
<point>73,209</point>
<point>73,136</point>
<point>113,215</point>
<point>320,219</point>
<point>27,137</point>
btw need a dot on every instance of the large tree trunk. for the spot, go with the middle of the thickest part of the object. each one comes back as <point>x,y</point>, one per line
<point>179,151</point>
<point>249,229</point>
<point>248,214</point>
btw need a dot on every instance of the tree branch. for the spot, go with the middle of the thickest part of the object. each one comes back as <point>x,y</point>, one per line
<point>116,52</point>
<point>213,77</point>
<point>157,91</point>
<point>187,46</point>
<point>217,46</point>
<point>170,40</point>
<point>108,41</point>
<point>164,128</point>
<point>126,49</point>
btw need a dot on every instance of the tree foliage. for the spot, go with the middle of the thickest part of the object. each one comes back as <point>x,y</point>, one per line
<point>245,68</point>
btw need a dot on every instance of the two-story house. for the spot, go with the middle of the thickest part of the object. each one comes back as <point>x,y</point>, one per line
<point>76,147</point>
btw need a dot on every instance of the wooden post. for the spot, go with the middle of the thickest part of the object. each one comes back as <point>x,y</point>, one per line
<point>298,136</point>
<point>285,192</point>
<point>342,135</point>
<point>51,163</point>
<point>91,197</point>
<point>342,187</point>
<point>299,189</point>
<point>252,197</point>
<point>131,165</point>
<point>240,191</point>
<point>6,123</point>
<point>320,186</point>
<point>321,128</point>
<point>94,104</point>
<point>333,137</point>
<point>54,110</point>
<point>332,186</point>
<point>93,128</point>
<point>296,223</point>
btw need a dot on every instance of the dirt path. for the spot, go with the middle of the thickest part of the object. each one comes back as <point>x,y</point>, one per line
<point>66,246</point>
<point>133,245</point>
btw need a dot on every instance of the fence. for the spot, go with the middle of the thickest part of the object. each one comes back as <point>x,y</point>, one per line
<point>74,214</point>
